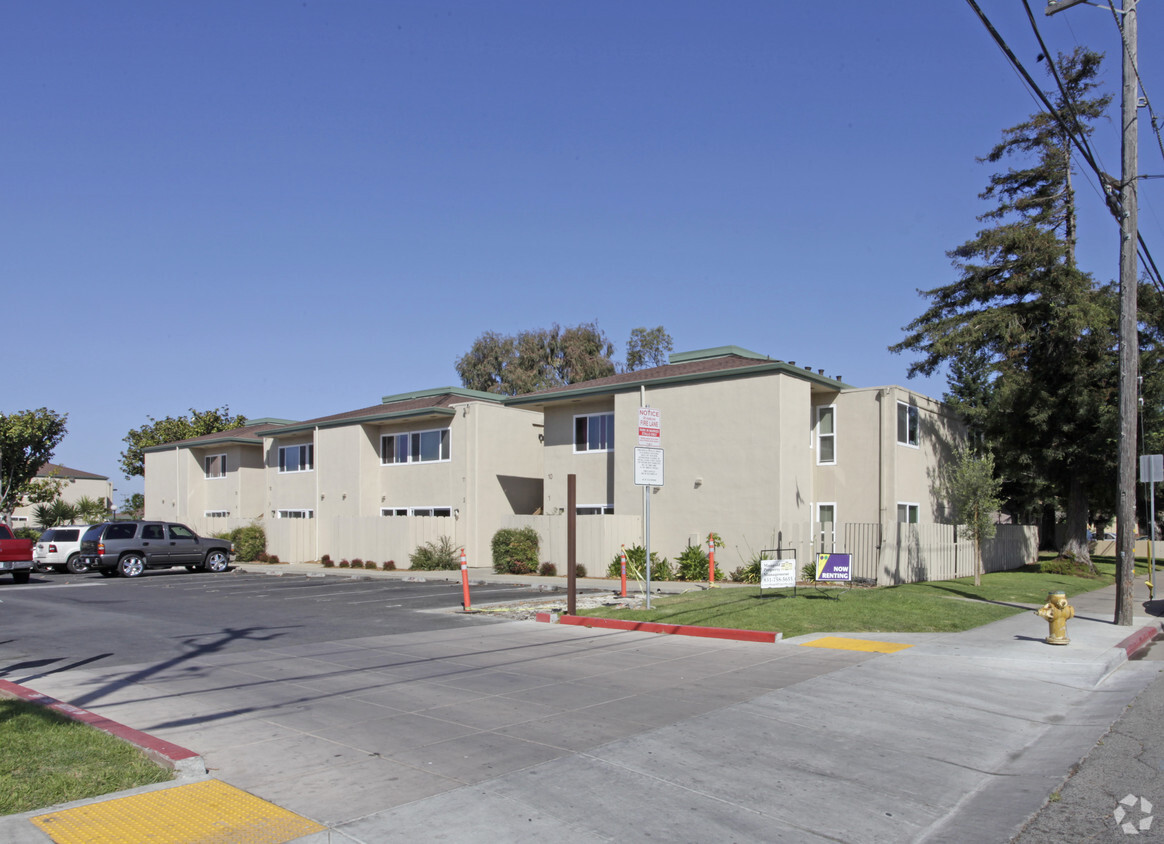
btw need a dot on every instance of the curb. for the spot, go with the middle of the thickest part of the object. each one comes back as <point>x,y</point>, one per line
<point>767,637</point>
<point>183,762</point>
<point>1138,640</point>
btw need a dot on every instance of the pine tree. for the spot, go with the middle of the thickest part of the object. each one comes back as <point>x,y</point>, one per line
<point>1024,316</point>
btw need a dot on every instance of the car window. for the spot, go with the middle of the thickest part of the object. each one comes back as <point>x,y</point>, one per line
<point>93,533</point>
<point>153,532</point>
<point>69,535</point>
<point>125,530</point>
<point>47,536</point>
<point>181,532</point>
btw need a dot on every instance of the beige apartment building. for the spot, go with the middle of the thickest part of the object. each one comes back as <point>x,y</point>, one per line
<point>765,453</point>
<point>371,483</point>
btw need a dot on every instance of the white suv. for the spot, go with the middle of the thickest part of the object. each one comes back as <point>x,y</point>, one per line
<point>60,548</point>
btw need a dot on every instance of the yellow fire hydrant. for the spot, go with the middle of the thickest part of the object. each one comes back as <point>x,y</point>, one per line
<point>1057,611</point>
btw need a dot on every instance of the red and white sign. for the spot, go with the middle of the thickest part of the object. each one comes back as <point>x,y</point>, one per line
<point>650,427</point>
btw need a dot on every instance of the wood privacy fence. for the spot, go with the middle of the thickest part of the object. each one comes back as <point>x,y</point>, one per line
<point>886,554</point>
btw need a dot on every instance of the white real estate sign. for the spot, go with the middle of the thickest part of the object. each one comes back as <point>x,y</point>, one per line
<point>648,467</point>
<point>650,427</point>
<point>777,574</point>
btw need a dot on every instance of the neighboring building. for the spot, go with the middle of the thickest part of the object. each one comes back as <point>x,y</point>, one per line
<point>75,486</point>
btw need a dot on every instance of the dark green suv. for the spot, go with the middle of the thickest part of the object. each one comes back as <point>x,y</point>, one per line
<point>129,548</point>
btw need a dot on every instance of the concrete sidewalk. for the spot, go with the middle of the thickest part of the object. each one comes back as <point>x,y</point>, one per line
<point>523,731</point>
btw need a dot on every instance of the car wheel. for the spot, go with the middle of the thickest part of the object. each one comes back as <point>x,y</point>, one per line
<point>75,565</point>
<point>21,576</point>
<point>108,572</point>
<point>131,565</point>
<point>216,561</point>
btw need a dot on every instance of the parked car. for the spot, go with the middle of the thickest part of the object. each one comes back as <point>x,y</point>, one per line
<point>60,548</point>
<point>129,548</point>
<point>15,555</point>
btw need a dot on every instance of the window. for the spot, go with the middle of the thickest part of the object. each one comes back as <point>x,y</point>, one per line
<point>215,465</point>
<point>826,514</point>
<point>908,513</point>
<point>416,511</point>
<point>907,424</point>
<point>826,435</point>
<point>181,532</point>
<point>415,447</point>
<point>297,458</point>
<point>216,514</point>
<point>594,432</point>
<point>294,514</point>
<point>153,532</point>
<point>596,510</point>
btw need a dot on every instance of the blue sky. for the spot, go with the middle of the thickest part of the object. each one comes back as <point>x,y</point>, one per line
<point>295,208</point>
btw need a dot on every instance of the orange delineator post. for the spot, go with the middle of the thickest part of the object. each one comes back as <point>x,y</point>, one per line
<point>711,559</point>
<point>624,571</point>
<point>465,581</point>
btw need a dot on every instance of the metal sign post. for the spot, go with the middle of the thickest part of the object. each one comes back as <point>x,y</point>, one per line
<point>648,474</point>
<point>1152,470</point>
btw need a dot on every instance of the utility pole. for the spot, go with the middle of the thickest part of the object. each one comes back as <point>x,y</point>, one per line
<point>1129,307</point>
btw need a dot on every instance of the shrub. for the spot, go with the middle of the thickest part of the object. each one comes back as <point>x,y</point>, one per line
<point>515,551</point>
<point>273,559</point>
<point>808,572</point>
<point>1068,566</point>
<point>579,570</point>
<point>262,557</point>
<point>390,565</point>
<point>327,562</point>
<point>548,570</point>
<point>436,556</point>
<point>345,564</point>
<point>636,558</point>
<point>249,542</point>
<point>27,533</point>
<point>749,573</point>
<point>357,563</point>
<point>368,564</point>
<point>692,564</point>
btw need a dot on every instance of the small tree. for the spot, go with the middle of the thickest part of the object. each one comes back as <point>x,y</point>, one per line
<point>975,494</point>
<point>27,441</point>
<point>647,348</point>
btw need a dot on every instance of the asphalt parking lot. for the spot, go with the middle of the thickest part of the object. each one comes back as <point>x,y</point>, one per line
<point>66,621</point>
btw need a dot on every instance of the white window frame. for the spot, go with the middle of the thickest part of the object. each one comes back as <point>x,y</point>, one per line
<point>221,458</point>
<point>909,507</point>
<point>832,436</point>
<point>828,541</point>
<point>594,510</point>
<point>216,514</point>
<point>417,511</point>
<point>911,410</point>
<point>413,440</point>
<point>305,462</point>
<point>608,440</point>
<point>294,514</point>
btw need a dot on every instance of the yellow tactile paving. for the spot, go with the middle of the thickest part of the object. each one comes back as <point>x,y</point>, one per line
<point>843,644</point>
<point>209,812</point>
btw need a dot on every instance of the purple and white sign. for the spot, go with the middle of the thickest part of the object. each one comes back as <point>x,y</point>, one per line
<point>837,568</point>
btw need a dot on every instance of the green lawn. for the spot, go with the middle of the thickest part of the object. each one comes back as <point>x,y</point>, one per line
<point>46,758</point>
<point>938,607</point>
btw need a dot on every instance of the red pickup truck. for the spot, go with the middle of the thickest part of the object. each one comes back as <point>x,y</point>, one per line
<point>15,555</point>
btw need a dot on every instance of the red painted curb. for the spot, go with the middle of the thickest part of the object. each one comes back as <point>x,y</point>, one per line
<point>676,629</point>
<point>164,752</point>
<point>1139,639</point>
